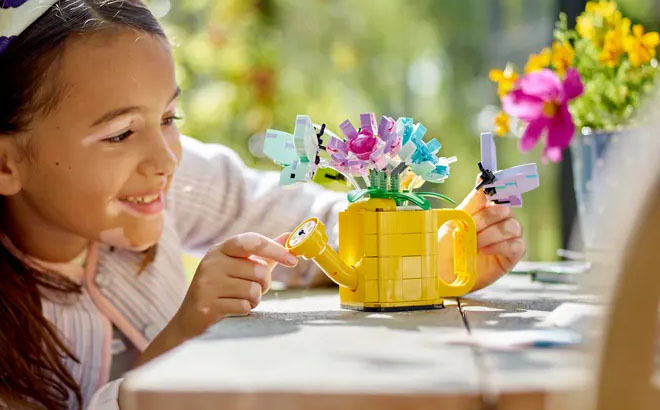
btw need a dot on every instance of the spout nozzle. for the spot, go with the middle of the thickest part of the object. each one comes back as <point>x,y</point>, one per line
<point>310,241</point>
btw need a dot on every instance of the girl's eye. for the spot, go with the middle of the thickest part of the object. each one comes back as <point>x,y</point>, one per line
<point>170,120</point>
<point>118,138</point>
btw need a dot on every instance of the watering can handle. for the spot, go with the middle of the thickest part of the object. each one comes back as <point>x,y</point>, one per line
<point>465,251</point>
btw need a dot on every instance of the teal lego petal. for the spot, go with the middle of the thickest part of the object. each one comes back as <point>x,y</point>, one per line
<point>296,172</point>
<point>422,168</point>
<point>434,146</point>
<point>279,147</point>
<point>305,139</point>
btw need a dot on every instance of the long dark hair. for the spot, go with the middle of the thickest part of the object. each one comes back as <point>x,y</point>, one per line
<point>32,370</point>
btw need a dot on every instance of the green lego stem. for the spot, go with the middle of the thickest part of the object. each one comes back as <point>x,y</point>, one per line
<point>417,198</point>
<point>437,196</point>
<point>381,187</point>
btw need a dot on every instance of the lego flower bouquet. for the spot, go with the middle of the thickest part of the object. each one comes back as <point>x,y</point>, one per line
<point>388,161</point>
<point>593,77</point>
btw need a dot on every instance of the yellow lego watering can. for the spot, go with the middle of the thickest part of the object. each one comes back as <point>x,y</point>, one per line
<point>388,256</point>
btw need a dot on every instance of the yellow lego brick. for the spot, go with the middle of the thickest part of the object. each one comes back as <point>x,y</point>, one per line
<point>390,268</point>
<point>371,291</point>
<point>429,289</point>
<point>370,222</point>
<point>368,268</point>
<point>372,205</point>
<point>412,267</point>
<point>412,289</point>
<point>406,222</point>
<point>370,243</point>
<point>408,244</point>
<point>429,266</point>
<point>390,291</point>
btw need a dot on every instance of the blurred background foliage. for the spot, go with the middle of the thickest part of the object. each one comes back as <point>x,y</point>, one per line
<point>248,65</point>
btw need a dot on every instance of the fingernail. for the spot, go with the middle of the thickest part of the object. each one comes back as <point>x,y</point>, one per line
<point>261,272</point>
<point>255,290</point>
<point>291,260</point>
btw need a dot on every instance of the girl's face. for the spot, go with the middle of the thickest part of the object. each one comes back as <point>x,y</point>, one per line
<point>97,166</point>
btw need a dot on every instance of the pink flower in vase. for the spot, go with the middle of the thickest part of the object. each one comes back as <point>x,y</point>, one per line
<point>363,145</point>
<point>541,100</point>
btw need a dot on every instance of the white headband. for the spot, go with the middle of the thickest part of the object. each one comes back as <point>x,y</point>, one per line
<point>17,15</point>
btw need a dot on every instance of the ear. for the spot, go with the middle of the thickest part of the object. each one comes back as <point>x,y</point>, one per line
<point>10,156</point>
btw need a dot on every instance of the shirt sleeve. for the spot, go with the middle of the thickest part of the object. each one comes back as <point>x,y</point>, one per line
<point>215,195</point>
<point>107,397</point>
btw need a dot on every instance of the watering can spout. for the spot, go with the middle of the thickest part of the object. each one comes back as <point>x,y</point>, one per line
<point>310,241</point>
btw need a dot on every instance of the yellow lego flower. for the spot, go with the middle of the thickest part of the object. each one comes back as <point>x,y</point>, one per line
<point>505,80</point>
<point>410,181</point>
<point>641,46</point>
<point>538,61</point>
<point>501,124</point>
<point>562,56</point>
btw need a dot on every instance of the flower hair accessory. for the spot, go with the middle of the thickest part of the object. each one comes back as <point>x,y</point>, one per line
<point>17,15</point>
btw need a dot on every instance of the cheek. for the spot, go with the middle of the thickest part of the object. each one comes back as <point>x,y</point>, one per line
<point>95,190</point>
<point>174,142</point>
<point>89,178</point>
<point>78,193</point>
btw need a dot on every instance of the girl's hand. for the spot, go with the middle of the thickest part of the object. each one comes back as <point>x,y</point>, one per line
<point>499,239</point>
<point>229,281</point>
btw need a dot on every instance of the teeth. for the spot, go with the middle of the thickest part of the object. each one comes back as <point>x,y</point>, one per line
<point>142,199</point>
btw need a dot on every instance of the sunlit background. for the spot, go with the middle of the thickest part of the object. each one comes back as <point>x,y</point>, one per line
<point>248,65</point>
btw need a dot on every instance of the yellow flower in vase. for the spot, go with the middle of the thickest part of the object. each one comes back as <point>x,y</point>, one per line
<point>597,19</point>
<point>604,9</point>
<point>504,79</point>
<point>501,122</point>
<point>641,46</point>
<point>536,62</point>
<point>613,46</point>
<point>584,25</point>
<point>562,57</point>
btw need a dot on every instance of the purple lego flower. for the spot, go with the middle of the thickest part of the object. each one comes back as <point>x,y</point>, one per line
<point>6,4</point>
<point>387,132</point>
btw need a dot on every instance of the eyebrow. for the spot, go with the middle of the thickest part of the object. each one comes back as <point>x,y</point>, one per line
<point>110,115</point>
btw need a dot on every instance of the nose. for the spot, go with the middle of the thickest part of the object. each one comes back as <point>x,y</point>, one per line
<point>161,156</point>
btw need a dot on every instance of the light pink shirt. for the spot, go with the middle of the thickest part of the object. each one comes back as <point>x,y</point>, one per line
<point>213,195</point>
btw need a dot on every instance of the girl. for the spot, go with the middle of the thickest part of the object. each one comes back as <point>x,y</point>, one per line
<point>94,218</point>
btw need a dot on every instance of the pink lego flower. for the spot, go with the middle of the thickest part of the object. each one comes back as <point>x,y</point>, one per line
<point>541,100</point>
<point>363,145</point>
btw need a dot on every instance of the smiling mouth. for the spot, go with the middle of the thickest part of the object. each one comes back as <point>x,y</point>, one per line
<point>143,205</point>
<point>147,199</point>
